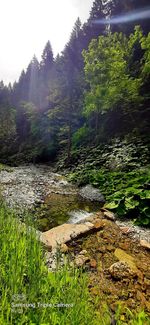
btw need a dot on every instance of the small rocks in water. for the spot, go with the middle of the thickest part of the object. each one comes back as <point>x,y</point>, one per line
<point>121,270</point>
<point>145,244</point>
<point>90,193</point>
<point>80,260</point>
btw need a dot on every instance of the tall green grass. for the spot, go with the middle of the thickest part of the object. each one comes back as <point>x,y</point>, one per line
<point>30,294</point>
<point>25,280</point>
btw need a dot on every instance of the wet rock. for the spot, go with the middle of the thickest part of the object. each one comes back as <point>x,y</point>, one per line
<point>90,193</point>
<point>80,260</point>
<point>145,244</point>
<point>119,270</point>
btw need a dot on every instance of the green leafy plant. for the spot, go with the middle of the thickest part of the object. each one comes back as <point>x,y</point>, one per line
<point>126,193</point>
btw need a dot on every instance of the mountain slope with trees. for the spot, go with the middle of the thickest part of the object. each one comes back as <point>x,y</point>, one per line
<point>96,92</point>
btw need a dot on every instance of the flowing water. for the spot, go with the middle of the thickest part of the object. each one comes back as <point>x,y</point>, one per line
<point>48,195</point>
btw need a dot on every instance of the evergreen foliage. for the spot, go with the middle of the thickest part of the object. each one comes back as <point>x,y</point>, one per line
<point>96,90</point>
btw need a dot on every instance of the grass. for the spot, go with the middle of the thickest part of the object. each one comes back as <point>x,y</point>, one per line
<point>25,280</point>
<point>5,167</point>
<point>30,294</point>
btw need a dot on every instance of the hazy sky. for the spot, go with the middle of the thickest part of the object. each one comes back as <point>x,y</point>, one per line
<point>26,26</point>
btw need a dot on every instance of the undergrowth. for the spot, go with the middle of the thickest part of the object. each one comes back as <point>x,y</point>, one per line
<point>127,193</point>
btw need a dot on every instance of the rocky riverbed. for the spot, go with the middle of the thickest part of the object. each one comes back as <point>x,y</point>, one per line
<point>38,186</point>
<point>117,264</point>
<point>25,186</point>
<point>51,199</point>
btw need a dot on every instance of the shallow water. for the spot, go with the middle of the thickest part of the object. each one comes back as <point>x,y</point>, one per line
<point>48,195</point>
<point>58,209</point>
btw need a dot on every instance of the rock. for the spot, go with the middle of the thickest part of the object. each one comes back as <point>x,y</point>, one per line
<point>94,291</point>
<point>99,224</point>
<point>124,257</point>
<point>108,214</point>
<point>91,193</point>
<point>110,248</point>
<point>147,283</point>
<point>84,252</point>
<point>126,230</point>
<point>102,249</point>
<point>140,296</point>
<point>93,263</point>
<point>120,270</point>
<point>145,244</point>
<point>99,214</point>
<point>57,236</point>
<point>64,248</point>
<point>100,266</point>
<point>80,260</point>
<point>125,246</point>
<point>147,303</point>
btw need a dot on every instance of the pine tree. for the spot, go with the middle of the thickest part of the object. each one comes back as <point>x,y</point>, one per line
<point>32,79</point>
<point>117,8</point>
<point>46,66</point>
<point>47,61</point>
<point>90,29</point>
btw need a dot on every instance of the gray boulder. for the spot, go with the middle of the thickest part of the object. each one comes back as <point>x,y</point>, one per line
<point>91,193</point>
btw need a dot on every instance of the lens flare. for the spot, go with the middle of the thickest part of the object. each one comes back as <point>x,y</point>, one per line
<point>128,17</point>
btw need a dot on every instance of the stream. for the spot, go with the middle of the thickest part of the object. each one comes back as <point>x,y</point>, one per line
<point>51,199</point>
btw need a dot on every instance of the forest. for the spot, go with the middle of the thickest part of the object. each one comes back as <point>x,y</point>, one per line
<point>93,96</point>
<point>96,90</point>
<point>85,113</point>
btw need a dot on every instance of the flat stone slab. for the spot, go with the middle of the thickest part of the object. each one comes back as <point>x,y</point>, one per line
<point>65,233</point>
<point>145,244</point>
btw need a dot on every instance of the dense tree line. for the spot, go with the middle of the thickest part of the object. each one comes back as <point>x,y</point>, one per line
<point>98,88</point>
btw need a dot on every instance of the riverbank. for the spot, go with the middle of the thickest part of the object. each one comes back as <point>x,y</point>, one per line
<point>25,187</point>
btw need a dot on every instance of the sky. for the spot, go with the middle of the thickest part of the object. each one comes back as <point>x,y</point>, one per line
<point>27,25</point>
